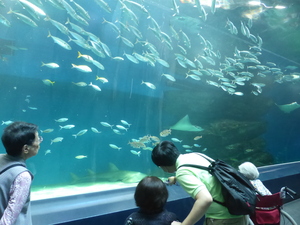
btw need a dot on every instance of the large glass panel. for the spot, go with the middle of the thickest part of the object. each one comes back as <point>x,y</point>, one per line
<point>106,80</point>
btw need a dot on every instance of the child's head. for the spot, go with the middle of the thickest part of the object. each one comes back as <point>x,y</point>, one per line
<point>151,194</point>
<point>249,170</point>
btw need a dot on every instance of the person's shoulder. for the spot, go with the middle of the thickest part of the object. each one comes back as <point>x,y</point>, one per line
<point>129,220</point>
<point>170,215</point>
<point>24,179</point>
<point>25,175</point>
<point>193,158</point>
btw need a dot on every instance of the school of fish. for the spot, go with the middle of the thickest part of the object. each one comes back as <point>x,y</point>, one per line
<point>226,72</point>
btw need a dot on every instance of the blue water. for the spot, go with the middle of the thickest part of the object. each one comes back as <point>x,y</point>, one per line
<point>150,111</point>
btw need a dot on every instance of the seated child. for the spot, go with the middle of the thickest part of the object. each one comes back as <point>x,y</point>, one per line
<point>250,171</point>
<point>151,196</point>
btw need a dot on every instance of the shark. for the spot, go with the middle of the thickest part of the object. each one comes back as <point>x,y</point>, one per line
<point>185,125</point>
<point>287,108</point>
<point>112,175</point>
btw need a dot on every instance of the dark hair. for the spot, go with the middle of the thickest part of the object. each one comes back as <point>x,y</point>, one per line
<point>16,135</point>
<point>151,194</point>
<point>165,154</point>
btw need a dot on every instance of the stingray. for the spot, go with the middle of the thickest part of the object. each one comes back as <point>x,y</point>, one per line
<point>289,107</point>
<point>185,125</point>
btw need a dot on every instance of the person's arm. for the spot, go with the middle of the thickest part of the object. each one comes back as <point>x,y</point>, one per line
<point>202,202</point>
<point>19,192</point>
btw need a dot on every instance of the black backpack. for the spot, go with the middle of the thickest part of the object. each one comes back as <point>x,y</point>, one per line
<point>239,194</point>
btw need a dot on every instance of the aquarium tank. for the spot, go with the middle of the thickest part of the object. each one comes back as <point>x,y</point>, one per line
<point>106,80</point>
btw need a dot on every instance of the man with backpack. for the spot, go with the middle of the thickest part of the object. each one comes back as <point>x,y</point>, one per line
<point>199,184</point>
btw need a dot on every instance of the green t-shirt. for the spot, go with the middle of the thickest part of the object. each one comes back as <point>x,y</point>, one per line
<point>193,180</point>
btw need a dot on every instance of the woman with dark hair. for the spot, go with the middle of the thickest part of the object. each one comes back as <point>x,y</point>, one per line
<point>151,196</point>
<point>21,141</point>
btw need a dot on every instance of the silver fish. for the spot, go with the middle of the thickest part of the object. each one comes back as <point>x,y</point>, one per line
<point>32,7</point>
<point>103,5</point>
<point>67,127</point>
<point>60,42</point>
<point>82,132</point>
<point>4,21</point>
<point>24,18</point>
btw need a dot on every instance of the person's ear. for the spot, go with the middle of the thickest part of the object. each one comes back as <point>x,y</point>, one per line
<point>25,149</point>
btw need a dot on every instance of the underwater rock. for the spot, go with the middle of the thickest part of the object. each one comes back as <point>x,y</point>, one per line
<point>227,132</point>
<point>206,105</point>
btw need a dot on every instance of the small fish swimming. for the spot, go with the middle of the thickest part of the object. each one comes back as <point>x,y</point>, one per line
<point>118,58</point>
<point>80,157</point>
<point>95,130</point>
<point>82,68</point>
<point>85,57</point>
<point>67,127</point>
<point>132,58</point>
<point>4,21</point>
<point>105,124</point>
<point>50,65</point>
<point>95,87</point>
<point>148,148</point>
<point>193,76</point>
<point>7,122</point>
<point>33,8</point>
<point>47,130</point>
<point>48,151</point>
<point>61,120</point>
<point>138,153</point>
<point>126,41</point>
<point>169,77</point>
<point>60,42</point>
<point>82,132</point>
<point>104,5</point>
<point>114,146</point>
<point>176,140</point>
<point>188,150</point>
<point>187,146</point>
<point>150,85</point>
<point>98,64</point>
<point>48,82</point>
<point>197,138</point>
<point>80,84</point>
<point>163,63</point>
<point>24,18</point>
<point>117,131</point>
<point>62,28</point>
<point>125,123</point>
<point>165,133</point>
<point>102,79</point>
<point>121,127</point>
<point>58,139</point>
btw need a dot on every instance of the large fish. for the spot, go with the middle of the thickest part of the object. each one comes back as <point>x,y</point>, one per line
<point>112,175</point>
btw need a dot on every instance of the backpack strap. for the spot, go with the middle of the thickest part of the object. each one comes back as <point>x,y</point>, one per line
<point>203,168</point>
<point>7,168</point>
<point>205,157</point>
<point>198,166</point>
